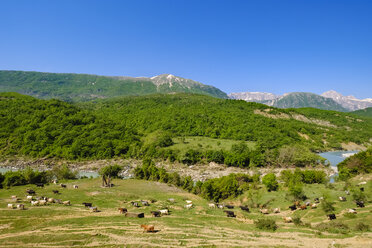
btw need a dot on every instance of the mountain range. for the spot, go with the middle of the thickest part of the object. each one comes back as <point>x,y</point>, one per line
<point>330,100</point>
<point>84,87</point>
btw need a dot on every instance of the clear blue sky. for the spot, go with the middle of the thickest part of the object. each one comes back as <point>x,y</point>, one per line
<point>274,46</point>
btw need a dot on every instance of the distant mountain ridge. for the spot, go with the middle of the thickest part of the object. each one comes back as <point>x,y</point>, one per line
<point>348,102</point>
<point>330,100</point>
<point>78,87</point>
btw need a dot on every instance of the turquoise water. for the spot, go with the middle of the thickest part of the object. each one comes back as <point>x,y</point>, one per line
<point>334,158</point>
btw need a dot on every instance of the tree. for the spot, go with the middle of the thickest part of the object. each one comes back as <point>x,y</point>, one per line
<point>270,182</point>
<point>108,172</point>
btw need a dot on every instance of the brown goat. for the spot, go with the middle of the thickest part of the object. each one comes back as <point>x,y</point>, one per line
<point>148,228</point>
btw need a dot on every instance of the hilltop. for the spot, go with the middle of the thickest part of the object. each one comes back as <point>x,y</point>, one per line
<point>83,87</point>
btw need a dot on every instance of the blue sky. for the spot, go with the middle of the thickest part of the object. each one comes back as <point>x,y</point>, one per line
<point>273,46</point>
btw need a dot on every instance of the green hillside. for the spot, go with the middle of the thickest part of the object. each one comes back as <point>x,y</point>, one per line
<point>156,126</point>
<point>305,100</point>
<point>364,112</point>
<point>82,87</point>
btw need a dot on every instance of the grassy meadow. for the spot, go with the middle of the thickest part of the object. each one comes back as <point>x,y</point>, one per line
<point>57,225</point>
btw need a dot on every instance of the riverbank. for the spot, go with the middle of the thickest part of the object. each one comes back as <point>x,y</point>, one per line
<point>198,172</point>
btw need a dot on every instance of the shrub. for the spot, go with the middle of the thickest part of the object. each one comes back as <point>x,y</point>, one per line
<point>362,227</point>
<point>333,227</point>
<point>266,224</point>
<point>297,221</point>
<point>358,195</point>
<point>350,215</point>
<point>296,191</point>
<point>326,205</point>
<point>63,172</point>
<point>13,178</point>
<point>270,182</point>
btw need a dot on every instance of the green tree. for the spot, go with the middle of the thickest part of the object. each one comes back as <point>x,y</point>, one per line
<point>269,180</point>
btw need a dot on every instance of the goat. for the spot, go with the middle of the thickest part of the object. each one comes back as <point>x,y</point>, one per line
<point>148,228</point>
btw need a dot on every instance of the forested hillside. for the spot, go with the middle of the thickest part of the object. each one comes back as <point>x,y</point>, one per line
<point>147,126</point>
<point>83,87</point>
<point>364,112</point>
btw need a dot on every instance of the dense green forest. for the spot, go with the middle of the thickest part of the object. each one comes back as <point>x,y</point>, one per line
<point>83,87</point>
<point>146,126</point>
<point>364,112</point>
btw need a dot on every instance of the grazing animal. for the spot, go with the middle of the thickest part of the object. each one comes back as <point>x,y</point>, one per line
<point>287,219</point>
<point>188,206</point>
<point>316,200</point>
<point>352,211</point>
<point>51,200</point>
<point>307,203</point>
<point>134,215</point>
<point>313,206</point>
<point>293,207</point>
<point>264,211</point>
<point>156,213</point>
<point>321,198</point>
<point>122,210</point>
<point>171,200</point>
<point>34,203</point>
<point>361,189</point>
<point>188,201</point>
<point>360,204</point>
<point>66,203</point>
<point>331,216</point>
<point>30,191</point>
<point>58,201</point>
<point>244,208</point>
<point>93,209</point>
<point>42,202</point>
<point>145,203</point>
<point>87,204</point>
<point>14,197</point>
<point>341,198</point>
<point>229,213</point>
<point>303,207</point>
<point>11,206</point>
<point>29,197</point>
<point>276,210</point>
<point>56,192</point>
<point>75,186</point>
<point>212,205</point>
<point>347,192</point>
<point>135,204</point>
<point>229,206</point>
<point>63,185</point>
<point>20,206</point>
<point>220,206</point>
<point>362,183</point>
<point>297,203</point>
<point>40,185</point>
<point>148,228</point>
<point>164,211</point>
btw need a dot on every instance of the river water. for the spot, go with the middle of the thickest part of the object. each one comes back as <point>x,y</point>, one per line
<point>334,158</point>
<point>82,173</point>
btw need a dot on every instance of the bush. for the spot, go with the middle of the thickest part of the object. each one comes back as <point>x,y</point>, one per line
<point>14,178</point>
<point>111,171</point>
<point>296,191</point>
<point>63,172</point>
<point>358,195</point>
<point>326,205</point>
<point>266,224</point>
<point>270,182</point>
<point>297,221</point>
<point>333,227</point>
<point>361,227</point>
<point>350,215</point>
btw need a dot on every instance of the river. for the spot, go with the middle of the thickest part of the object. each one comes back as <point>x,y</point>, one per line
<point>334,158</point>
<point>80,174</point>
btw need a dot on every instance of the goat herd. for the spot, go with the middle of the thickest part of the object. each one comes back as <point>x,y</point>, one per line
<point>42,201</point>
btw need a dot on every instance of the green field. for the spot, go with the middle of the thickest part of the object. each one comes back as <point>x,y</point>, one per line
<point>74,226</point>
<point>204,143</point>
